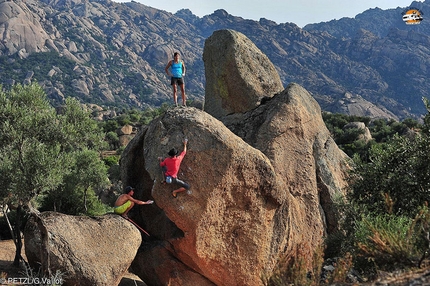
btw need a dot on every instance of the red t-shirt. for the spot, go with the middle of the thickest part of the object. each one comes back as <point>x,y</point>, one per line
<point>173,164</point>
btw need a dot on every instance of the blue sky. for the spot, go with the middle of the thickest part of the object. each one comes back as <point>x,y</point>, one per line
<point>299,12</point>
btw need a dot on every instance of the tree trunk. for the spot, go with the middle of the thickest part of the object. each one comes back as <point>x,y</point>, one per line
<point>17,235</point>
<point>85,201</point>
<point>44,247</point>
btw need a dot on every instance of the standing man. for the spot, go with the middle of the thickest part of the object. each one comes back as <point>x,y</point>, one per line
<point>170,167</point>
<point>177,72</point>
<point>125,202</point>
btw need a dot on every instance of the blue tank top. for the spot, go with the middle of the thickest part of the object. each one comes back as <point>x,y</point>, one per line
<point>177,69</point>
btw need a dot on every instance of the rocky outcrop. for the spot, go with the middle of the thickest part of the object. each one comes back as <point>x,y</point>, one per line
<point>355,105</point>
<point>20,30</point>
<point>169,270</point>
<point>90,251</point>
<point>125,130</point>
<point>262,182</point>
<point>290,131</point>
<point>228,218</point>
<point>238,74</point>
<point>125,134</point>
<point>248,207</point>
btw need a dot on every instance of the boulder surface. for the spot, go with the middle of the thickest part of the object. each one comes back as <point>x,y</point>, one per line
<point>88,250</point>
<point>246,208</point>
<point>238,74</point>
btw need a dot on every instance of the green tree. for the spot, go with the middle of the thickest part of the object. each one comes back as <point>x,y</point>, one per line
<point>110,125</point>
<point>40,149</point>
<point>398,171</point>
<point>77,129</point>
<point>77,193</point>
<point>426,127</point>
<point>113,140</point>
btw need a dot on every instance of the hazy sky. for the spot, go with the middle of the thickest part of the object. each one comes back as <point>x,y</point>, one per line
<point>299,12</point>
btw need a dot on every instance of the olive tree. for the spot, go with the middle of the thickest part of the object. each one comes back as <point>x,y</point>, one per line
<point>40,147</point>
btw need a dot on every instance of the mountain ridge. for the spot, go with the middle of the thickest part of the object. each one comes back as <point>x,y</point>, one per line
<point>114,54</point>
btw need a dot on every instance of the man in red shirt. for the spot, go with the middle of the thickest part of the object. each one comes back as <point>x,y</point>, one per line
<point>170,167</point>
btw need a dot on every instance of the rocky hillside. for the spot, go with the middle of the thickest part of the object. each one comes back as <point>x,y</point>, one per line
<point>114,54</point>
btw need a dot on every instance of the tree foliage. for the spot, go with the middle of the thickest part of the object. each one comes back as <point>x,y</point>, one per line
<point>77,193</point>
<point>397,177</point>
<point>42,151</point>
<point>40,148</point>
<point>31,157</point>
<point>385,219</point>
<point>382,130</point>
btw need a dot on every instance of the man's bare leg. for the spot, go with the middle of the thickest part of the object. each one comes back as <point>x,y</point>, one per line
<point>175,192</point>
<point>127,210</point>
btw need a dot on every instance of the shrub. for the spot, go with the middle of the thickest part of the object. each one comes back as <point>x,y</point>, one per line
<point>399,169</point>
<point>73,202</point>
<point>111,160</point>
<point>388,240</point>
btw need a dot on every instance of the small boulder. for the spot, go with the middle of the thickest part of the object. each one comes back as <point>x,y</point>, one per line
<point>366,136</point>
<point>125,130</point>
<point>89,250</point>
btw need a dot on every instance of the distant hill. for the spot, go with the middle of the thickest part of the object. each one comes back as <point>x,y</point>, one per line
<point>113,54</point>
<point>376,20</point>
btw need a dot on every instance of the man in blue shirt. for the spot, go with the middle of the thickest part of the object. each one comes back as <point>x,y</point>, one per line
<point>177,72</point>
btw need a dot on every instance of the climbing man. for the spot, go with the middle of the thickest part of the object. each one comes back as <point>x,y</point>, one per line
<point>125,202</point>
<point>177,72</point>
<point>170,167</point>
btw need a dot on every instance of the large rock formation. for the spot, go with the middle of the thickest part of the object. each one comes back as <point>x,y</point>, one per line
<point>263,182</point>
<point>20,30</point>
<point>228,218</point>
<point>238,74</point>
<point>290,131</point>
<point>90,251</point>
<point>246,208</point>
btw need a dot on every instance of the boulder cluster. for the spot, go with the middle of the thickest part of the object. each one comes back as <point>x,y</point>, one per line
<point>262,167</point>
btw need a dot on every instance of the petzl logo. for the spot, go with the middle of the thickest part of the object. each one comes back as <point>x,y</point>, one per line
<point>412,16</point>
